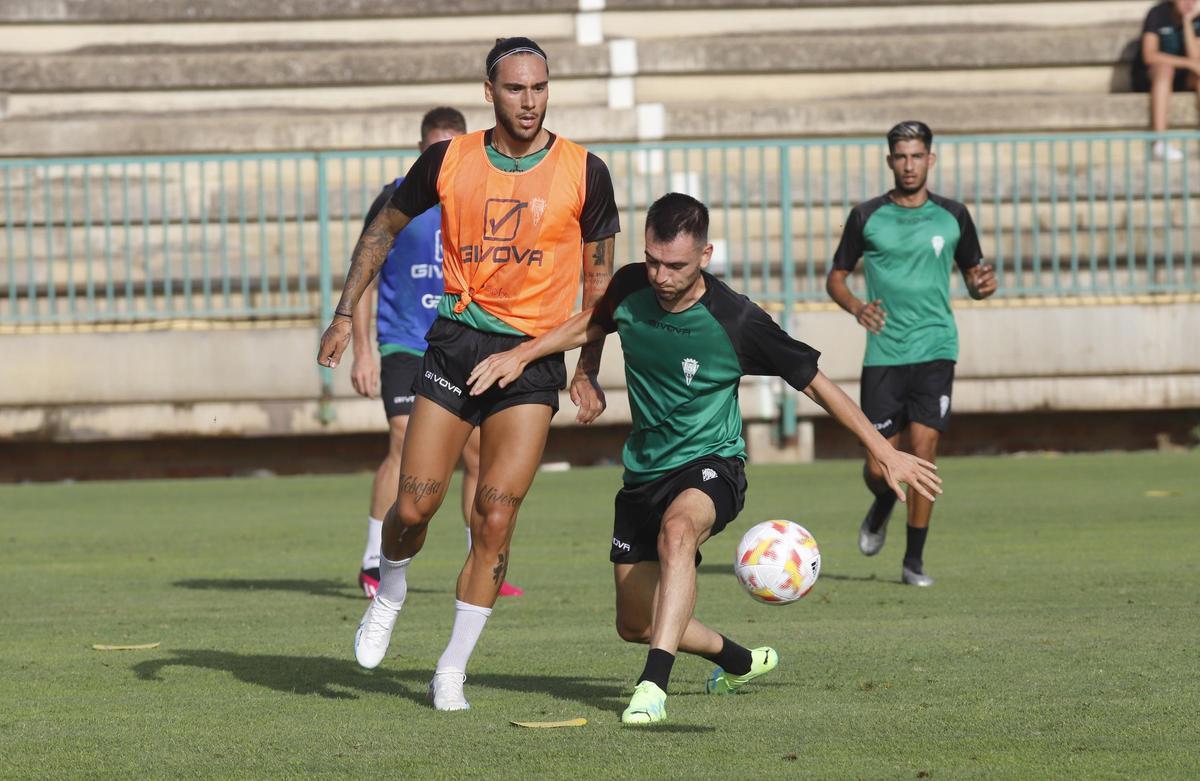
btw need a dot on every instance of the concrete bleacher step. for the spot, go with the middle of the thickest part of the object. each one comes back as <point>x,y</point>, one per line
<point>809,65</point>
<point>36,25</point>
<point>284,130</point>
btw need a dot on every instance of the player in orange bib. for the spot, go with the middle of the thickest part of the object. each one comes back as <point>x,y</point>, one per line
<point>525,215</point>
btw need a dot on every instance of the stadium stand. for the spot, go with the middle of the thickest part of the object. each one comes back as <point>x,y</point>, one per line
<point>284,97</point>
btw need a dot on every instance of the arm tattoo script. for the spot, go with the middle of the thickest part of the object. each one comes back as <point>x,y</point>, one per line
<point>488,493</point>
<point>420,487</point>
<point>369,254</point>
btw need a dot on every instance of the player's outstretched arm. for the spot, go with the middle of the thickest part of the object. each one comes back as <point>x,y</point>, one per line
<point>369,254</point>
<point>899,467</point>
<point>504,368</point>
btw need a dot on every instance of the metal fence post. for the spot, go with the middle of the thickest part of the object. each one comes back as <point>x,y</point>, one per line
<point>325,409</point>
<point>787,405</point>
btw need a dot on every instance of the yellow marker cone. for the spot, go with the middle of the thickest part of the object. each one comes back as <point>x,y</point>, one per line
<point>142,647</point>
<point>549,724</point>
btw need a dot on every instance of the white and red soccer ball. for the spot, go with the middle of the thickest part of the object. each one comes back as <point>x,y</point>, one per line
<point>778,562</point>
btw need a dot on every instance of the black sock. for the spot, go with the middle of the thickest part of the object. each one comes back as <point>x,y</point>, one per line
<point>658,667</point>
<point>885,500</point>
<point>916,548</point>
<point>732,658</point>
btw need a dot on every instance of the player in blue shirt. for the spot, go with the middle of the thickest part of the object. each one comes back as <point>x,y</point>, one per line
<point>410,286</point>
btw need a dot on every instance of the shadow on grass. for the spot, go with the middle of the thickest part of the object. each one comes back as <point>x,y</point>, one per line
<point>342,679</point>
<point>318,588</point>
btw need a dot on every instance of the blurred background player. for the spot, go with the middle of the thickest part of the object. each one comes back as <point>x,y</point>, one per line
<point>525,215</point>
<point>687,340</point>
<point>1167,61</point>
<point>410,286</point>
<point>907,239</point>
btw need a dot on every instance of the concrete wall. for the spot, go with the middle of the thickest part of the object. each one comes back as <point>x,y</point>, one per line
<point>263,381</point>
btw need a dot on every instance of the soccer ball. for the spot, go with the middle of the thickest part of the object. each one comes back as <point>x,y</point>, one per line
<point>778,562</point>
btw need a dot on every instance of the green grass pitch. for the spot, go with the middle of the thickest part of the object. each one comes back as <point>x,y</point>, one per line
<point>1061,639</point>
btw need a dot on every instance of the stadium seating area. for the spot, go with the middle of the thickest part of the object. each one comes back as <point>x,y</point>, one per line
<point>127,76</point>
<point>694,81</point>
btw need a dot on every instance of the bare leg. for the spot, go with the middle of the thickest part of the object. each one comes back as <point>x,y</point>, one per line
<point>387,477</point>
<point>924,445</point>
<point>511,445</point>
<point>685,525</point>
<point>470,462</point>
<point>1162,78</point>
<point>637,594</point>
<point>432,444</point>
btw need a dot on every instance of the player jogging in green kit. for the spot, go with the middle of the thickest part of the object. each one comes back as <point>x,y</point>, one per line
<point>907,239</point>
<point>687,340</point>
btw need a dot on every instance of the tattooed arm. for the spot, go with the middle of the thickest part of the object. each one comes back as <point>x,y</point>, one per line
<point>585,389</point>
<point>369,254</point>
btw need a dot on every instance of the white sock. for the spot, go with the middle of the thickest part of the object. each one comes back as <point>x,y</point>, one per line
<point>393,581</point>
<point>468,624</point>
<point>374,540</point>
<point>468,539</point>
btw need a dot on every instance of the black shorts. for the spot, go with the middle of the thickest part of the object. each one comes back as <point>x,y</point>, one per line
<point>455,349</point>
<point>640,508</point>
<point>397,372</point>
<point>895,396</point>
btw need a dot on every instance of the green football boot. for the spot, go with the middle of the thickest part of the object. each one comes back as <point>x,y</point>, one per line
<point>647,706</point>
<point>762,661</point>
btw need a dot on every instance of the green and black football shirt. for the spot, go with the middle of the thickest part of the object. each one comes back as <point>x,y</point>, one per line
<point>683,369</point>
<point>906,256</point>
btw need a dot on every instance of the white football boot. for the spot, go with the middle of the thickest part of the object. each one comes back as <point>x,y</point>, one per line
<point>375,632</point>
<point>446,691</point>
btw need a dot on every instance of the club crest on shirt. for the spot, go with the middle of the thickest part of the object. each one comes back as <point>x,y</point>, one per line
<point>690,367</point>
<point>938,243</point>
<point>537,207</point>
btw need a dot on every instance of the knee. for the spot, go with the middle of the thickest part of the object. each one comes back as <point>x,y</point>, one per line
<point>874,472</point>
<point>676,539</point>
<point>493,531</point>
<point>410,516</point>
<point>633,631</point>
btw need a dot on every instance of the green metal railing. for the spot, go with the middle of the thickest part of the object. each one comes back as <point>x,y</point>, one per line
<point>127,239</point>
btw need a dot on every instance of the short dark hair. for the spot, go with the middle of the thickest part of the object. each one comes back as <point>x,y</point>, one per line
<point>443,118</point>
<point>506,46</point>
<point>910,130</point>
<point>676,213</point>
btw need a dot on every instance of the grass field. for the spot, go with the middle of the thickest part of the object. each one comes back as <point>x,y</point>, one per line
<point>1059,642</point>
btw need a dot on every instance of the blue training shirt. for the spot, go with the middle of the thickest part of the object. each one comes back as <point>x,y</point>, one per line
<point>410,282</point>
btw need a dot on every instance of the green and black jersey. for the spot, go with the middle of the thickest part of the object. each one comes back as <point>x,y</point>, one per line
<point>906,256</point>
<point>682,369</point>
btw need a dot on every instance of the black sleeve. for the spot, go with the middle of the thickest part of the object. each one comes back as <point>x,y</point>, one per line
<point>600,218</point>
<point>381,200</point>
<point>1154,19</point>
<point>627,280</point>
<point>765,348</point>
<point>968,254</point>
<point>418,192</point>
<point>850,248</point>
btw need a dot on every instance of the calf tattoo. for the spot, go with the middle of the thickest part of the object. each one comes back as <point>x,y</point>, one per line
<point>501,569</point>
<point>419,487</point>
<point>488,493</point>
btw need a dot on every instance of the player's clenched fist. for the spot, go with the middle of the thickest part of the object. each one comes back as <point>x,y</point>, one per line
<point>334,342</point>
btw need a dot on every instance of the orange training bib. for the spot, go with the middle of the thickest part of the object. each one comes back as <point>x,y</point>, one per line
<point>512,240</point>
